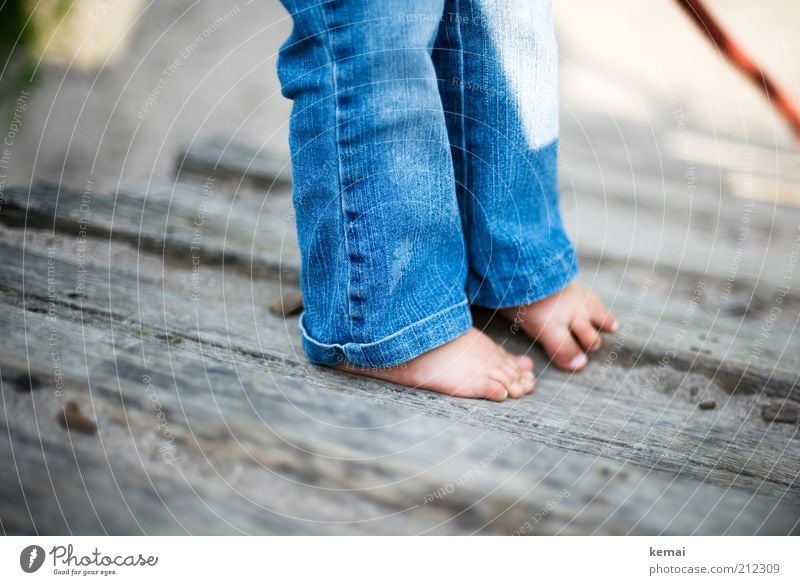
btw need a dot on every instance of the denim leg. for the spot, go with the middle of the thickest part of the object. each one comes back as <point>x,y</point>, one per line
<point>497,64</point>
<point>383,255</point>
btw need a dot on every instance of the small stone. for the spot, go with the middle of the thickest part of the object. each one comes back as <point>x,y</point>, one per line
<point>782,412</point>
<point>707,405</point>
<point>290,304</point>
<point>71,418</point>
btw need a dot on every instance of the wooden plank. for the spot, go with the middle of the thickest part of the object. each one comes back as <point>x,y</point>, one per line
<point>658,173</point>
<point>269,444</point>
<point>611,410</point>
<point>661,198</point>
<point>743,345</point>
<point>261,452</point>
<point>729,326</point>
<point>619,160</point>
<point>742,254</point>
<point>669,151</point>
<point>683,173</point>
<point>740,244</point>
<point>234,162</point>
<point>629,216</point>
<point>180,223</point>
<point>752,249</point>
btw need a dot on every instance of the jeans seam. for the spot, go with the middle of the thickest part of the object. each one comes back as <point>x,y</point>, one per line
<point>328,44</point>
<point>463,131</point>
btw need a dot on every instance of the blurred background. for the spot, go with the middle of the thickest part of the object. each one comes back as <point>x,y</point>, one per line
<point>105,90</point>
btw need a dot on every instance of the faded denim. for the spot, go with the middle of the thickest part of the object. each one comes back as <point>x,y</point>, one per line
<point>424,139</point>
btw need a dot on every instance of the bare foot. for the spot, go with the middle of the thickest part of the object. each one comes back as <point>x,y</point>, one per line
<point>567,324</point>
<point>471,366</point>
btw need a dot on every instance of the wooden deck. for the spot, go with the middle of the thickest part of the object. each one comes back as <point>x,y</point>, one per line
<point>192,408</point>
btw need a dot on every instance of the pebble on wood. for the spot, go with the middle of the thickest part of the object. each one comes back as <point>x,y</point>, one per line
<point>289,304</point>
<point>71,418</point>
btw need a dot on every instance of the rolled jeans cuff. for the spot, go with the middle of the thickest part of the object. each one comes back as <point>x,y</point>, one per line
<point>402,346</point>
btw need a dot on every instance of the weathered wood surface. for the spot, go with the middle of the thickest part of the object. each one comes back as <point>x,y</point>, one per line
<point>228,327</point>
<point>172,220</point>
<point>260,451</point>
<point>719,322</point>
<point>174,286</point>
<point>611,410</point>
<point>232,162</point>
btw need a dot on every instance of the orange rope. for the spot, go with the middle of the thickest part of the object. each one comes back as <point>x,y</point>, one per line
<point>736,55</point>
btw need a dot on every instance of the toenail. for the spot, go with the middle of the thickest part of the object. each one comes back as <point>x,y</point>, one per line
<point>578,361</point>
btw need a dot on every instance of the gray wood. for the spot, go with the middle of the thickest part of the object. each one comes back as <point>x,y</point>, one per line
<point>646,414</point>
<point>762,257</point>
<point>664,432</point>
<point>261,452</point>
<point>678,171</point>
<point>232,161</point>
<point>180,223</point>
<point>637,185</point>
<point>732,335</point>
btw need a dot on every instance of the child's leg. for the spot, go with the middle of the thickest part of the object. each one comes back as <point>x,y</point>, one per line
<point>383,258</point>
<point>497,63</point>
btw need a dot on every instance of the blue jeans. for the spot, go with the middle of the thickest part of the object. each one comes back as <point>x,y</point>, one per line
<point>424,138</point>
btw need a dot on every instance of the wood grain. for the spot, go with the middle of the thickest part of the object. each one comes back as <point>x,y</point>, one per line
<point>612,409</point>
<point>153,312</point>
<point>257,451</point>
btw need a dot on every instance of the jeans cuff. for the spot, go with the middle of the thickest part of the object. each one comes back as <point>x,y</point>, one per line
<point>402,346</point>
<point>528,287</point>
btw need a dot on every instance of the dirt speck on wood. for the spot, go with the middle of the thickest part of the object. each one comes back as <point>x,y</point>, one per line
<point>289,304</point>
<point>71,418</point>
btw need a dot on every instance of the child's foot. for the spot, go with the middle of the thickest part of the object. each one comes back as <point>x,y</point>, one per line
<point>567,324</point>
<point>471,366</point>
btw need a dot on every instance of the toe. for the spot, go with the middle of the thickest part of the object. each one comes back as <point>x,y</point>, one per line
<point>503,374</point>
<point>523,363</point>
<point>508,375</point>
<point>517,388</point>
<point>519,364</point>
<point>495,391</point>
<point>510,367</point>
<point>587,334</point>
<point>562,348</point>
<point>528,382</point>
<point>604,320</point>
